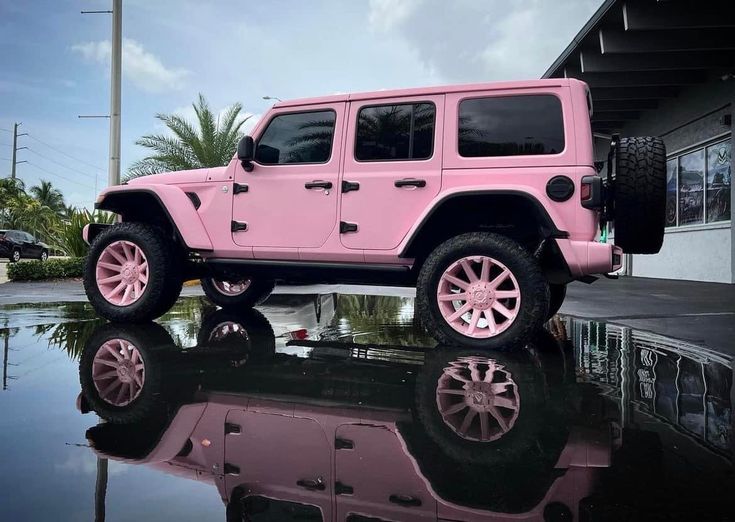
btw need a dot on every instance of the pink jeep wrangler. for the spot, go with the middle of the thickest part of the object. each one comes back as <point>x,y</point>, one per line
<point>485,197</point>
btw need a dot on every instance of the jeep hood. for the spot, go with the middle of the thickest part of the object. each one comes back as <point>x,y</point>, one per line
<point>179,177</point>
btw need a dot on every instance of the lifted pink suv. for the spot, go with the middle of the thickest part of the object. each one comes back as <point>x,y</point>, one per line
<point>486,197</point>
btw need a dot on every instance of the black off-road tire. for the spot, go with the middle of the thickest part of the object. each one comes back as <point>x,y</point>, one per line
<point>533,287</point>
<point>164,273</point>
<point>256,293</point>
<point>640,195</point>
<point>557,293</point>
<point>151,340</point>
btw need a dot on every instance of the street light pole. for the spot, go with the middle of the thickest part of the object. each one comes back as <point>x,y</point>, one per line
<point>16,149</point>
<point>115,93</point>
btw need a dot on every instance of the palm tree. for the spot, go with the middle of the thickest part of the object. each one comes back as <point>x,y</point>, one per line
<point>212,144</point>
<point>49,196</point>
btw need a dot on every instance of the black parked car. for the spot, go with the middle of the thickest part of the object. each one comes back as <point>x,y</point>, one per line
<point>15,244</point>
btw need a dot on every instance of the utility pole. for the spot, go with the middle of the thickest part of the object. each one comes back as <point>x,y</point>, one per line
<point>16,148</point>
<point>115,92</point>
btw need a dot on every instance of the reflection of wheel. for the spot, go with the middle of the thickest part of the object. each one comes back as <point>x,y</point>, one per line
<point>241,331</point>
<point>120,376</point>
<point>489,409</point>
<point>481,290</point>
<point>244,293</point>
<point>477,398</point>
<point>557,293</point>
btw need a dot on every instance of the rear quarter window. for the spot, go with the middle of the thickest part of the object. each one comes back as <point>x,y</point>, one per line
<point>511,126</point>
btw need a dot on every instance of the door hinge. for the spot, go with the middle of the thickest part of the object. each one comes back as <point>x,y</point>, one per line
<point>237,188</point>
<point>345,227</point>
<point>343,489</point>
<point>343,444</point>
<point>231,428</point>
<point>349,186</point>
<point>238,226</point>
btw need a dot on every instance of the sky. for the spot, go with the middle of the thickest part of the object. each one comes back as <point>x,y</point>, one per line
<point>55,63</point>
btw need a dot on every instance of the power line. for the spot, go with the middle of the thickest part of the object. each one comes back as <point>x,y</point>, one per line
<point>5,159</point>
<point>58,175</point>
<point>6,130</point>
<point>61,164</point>
<point>65,153</point>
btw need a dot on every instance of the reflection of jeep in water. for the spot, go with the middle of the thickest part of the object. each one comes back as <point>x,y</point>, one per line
<point>484,197</point>
<point>344,433</point>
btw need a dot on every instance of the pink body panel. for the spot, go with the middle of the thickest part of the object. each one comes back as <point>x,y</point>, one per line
<point>286,221</point>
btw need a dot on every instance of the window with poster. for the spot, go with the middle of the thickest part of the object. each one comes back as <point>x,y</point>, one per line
<point>698,185</point>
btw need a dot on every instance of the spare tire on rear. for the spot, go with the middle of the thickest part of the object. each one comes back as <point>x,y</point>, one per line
<point>640,195</point>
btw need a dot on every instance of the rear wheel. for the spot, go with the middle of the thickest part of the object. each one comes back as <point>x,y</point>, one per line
<point>44,256</point>
<point>132,273</point>
<point>15,256</point>
<point>247,292</point>
<point>640,195</point>
<point>481,290</point>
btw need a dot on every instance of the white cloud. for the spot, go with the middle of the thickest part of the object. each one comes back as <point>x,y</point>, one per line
<point>141,67</point>
<point>385,15</point>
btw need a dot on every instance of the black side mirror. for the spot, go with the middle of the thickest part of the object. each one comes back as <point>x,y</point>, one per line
<point>246,152</point>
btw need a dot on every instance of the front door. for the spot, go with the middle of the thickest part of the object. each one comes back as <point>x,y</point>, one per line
<point>392,169</point>
<point>289,199</point>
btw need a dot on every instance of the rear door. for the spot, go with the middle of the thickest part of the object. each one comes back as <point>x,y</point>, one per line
<point>392,168</point>
<point>280,457</point>
<point>375,477</point>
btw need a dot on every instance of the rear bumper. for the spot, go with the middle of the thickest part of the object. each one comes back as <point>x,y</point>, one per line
<point>590,257</point>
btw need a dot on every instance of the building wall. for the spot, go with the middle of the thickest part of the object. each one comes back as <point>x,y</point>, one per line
<point>698,252</point>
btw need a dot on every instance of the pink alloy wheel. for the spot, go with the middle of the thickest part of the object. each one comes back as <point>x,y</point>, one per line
<point>122,273</point>
<point>478,296</point>
<point>478,398</point>
<point>231,287</point>
<point>118,372</point>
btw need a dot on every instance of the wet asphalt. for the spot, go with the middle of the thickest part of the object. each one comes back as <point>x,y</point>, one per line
<point>330,403</point>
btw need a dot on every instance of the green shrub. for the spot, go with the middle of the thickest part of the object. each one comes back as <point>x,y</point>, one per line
<point>69,237</point>
<point>51,269</point>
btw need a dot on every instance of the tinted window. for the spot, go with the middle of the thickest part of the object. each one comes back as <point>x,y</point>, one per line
<point>395,132</point>
<point>511,126</point>
<point>304,137</point>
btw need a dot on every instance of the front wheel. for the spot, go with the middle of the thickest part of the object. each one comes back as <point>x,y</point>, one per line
<point>481,290</point>
<point>242,293</point>
<point>132,273</point>
<point>44,256</point>
<point>15,256</point>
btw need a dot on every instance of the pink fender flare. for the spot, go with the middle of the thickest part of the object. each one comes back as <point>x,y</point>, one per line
<point>174,203</point>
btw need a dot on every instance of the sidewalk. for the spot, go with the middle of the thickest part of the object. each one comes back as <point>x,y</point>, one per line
<point>702,313</point>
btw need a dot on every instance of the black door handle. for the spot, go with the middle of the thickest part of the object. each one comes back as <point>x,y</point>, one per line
<point>409,182</point>
<point>405,500</point>
<point>312,485</point>
<point>318,184</point>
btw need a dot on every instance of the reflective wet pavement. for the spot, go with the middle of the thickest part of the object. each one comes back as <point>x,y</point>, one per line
<point>338,407</point>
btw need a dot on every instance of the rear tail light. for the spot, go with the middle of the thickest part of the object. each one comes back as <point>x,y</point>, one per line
<point>590,192</point>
